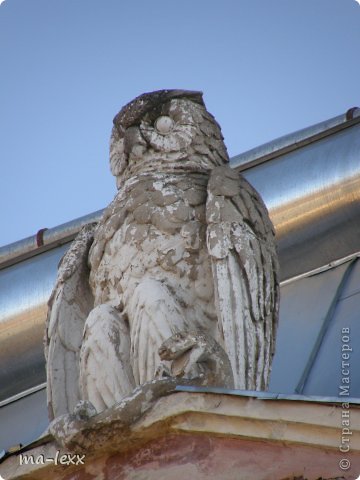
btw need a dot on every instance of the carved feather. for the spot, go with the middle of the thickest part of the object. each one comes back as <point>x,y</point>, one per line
<point>69,305</point>
<point>106,349</point>
<point>241,244</point>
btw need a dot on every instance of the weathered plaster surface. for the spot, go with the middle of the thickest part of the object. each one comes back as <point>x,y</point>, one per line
<point>207,457</point>
<point>202,457</point>
<point>210,436</point>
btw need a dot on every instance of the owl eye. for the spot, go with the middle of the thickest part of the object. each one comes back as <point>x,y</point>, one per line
<point>164,125</point>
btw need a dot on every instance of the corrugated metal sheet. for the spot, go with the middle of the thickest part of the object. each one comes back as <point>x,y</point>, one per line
<point>338,358</point>
<point>24,292</point>
<point>313,313</point>
<point>24,420</point>
<point>303,309</point>
<point>310,182</point>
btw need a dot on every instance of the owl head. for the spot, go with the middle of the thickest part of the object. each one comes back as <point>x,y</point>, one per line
<point>165,131</point>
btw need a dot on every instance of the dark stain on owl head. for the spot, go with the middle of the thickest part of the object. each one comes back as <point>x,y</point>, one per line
<point>132,113</point>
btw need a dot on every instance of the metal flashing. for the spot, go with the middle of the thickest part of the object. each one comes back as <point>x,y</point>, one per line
<point>316,271</point>
<point>25,393</point>
<point>295,140</point>
<point>269,395</point>
<point>45,239</point>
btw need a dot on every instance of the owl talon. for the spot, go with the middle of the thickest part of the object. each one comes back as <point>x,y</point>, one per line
<point>163,371</point>
<point>84,410</point>
<point>197,357</point>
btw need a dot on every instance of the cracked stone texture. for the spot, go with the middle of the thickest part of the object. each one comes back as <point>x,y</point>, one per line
<point>186,246</point>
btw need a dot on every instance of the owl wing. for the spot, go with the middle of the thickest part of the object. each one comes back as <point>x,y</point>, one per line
<point>69,305</point>
<point>241,244</point>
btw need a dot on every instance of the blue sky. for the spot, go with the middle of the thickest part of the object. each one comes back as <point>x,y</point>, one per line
<point>266,67</point>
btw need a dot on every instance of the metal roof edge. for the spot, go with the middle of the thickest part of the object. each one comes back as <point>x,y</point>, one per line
<point>225,391</point>
<point>45,239</point>
<point>295,140</point>
<point>25,393</point>
<point>269,395</point>
<point>324,268</point>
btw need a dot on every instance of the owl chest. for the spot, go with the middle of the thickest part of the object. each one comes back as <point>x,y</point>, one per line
<point>168,237</point>
<point>162,235</point>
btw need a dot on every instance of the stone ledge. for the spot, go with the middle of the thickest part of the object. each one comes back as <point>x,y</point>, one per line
<point>311,424</point>
<point>232,436</point>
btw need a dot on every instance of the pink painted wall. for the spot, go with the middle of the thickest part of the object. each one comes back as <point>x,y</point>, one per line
<point>203,458</point>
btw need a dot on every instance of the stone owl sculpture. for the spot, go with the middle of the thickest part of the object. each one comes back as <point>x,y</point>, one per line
<point>186,246</point>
